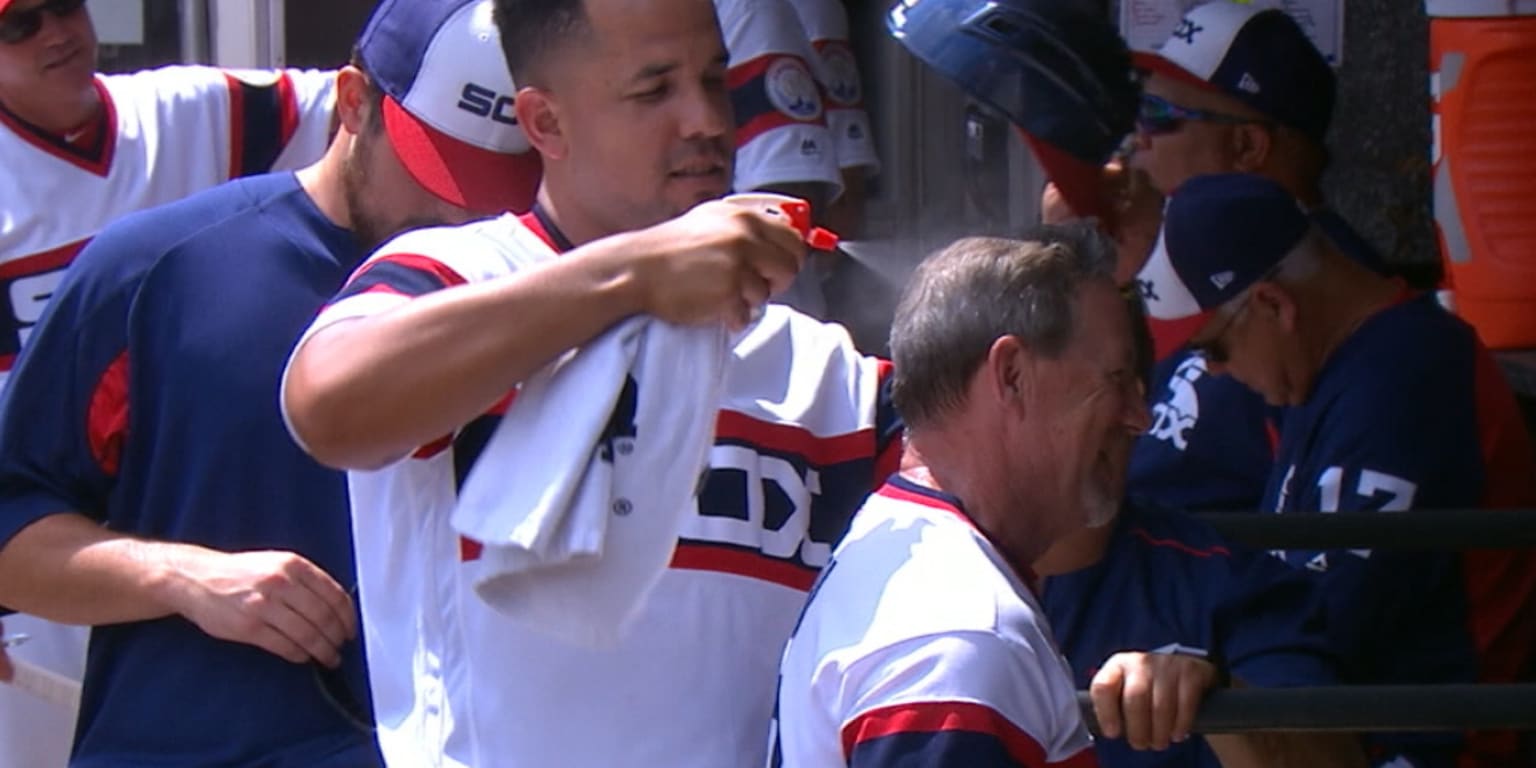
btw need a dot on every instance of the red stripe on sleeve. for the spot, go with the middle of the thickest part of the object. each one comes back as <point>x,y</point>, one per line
<point>418,262</point>
<point>747,71</point>
<point>107,416</point>
<point>236,126</point>
<point>936,716</point>
<point>785,438</point>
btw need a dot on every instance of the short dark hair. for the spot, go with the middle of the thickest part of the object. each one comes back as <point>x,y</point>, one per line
<point>966,296</point>
<point>530,29</point>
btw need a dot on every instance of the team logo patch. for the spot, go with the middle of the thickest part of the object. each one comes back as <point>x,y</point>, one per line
<point>842,74</point>
<point>792,89</point>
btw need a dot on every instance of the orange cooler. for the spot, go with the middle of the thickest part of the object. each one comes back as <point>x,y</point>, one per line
<point>1483,80</point>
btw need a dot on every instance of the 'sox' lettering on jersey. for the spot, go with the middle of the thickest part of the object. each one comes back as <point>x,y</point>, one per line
<point>775,500</point>
<point>28,283</point>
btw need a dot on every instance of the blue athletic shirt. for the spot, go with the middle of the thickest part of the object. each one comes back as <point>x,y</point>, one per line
<point>1212,440</point>
<point>1411,412</point>
<point>1169,582</point>
<point>146,399</point>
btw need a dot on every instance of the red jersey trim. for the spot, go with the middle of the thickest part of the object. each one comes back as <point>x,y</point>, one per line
<point>790,439</point>
<point>939,716</point>
<point>107,416</point>
<point>692,556</point>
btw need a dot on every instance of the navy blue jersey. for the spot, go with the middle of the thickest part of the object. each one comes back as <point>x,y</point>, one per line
<point>1210,444</point>
<point>1411,412</point>
<point>146,399</point>
<point>1168,580</point>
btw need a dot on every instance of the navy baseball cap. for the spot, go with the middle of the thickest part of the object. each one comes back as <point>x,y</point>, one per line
<point>1059,72</point>
<point>1221,233</point>
<point>1258,56</point>
<point>448,99</point>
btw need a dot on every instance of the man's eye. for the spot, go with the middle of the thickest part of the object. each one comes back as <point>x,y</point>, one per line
<point>652,94</point>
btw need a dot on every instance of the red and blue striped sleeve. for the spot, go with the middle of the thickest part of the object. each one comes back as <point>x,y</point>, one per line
<point>931,734</point>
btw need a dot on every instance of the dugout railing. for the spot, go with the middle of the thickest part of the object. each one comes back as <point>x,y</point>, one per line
<point>1368,708</point>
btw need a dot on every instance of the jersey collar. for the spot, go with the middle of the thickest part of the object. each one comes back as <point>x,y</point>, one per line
<point>95,158</point>
<point>898,487</point>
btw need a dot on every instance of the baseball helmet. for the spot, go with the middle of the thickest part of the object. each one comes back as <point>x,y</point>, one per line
<point>1056,68</point>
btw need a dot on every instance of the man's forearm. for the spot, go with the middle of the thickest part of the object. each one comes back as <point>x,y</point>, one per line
<point>365,392</point>
<point>69,569</point>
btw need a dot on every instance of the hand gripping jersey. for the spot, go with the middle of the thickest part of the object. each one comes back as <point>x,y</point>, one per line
<point>922,645</point>
<point>804,431</point>
<point>146,402</point>
<point>1168,582</point>
<point>826,23</point>
<point>1411,412</point>
<point>165,134</point>
<point>781,119</point>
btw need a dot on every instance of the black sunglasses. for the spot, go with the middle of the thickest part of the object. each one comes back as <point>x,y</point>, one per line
<point>20,26</point>
<point>1158,116</point>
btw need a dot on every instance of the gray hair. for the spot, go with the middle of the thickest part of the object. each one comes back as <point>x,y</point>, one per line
<point>964,297</point>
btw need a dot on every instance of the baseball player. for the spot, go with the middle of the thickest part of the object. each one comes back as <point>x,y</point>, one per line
<point>402,379</point>
<point>149,485</point>
<point>1392,404</point>
<point>80,150</point>
<point>924,643</point>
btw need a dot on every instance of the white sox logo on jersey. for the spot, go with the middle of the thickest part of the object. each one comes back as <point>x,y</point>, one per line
<point>1175,417</point>
<point>28,284</point>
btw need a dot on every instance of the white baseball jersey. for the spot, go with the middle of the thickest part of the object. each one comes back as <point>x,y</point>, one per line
<point>166,133</point>
<point>826,24</point>
<point>922,645</point>
<point>781,120</point>
<point>803,434</point>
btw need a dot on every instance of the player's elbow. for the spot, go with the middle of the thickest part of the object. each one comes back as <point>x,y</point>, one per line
<point>321,405</point>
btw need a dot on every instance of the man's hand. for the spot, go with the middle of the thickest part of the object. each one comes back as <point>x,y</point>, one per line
<point>6,670</point>
<point>276,601</point>
<point>1138,214</point>
<point>717,262</point>
<point>1150,699</point>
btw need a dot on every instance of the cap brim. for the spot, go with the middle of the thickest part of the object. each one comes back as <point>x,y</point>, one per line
<point>1081,183</point>
<point>4,4</point>
<point>476,179</point>
<point>1168,336</point>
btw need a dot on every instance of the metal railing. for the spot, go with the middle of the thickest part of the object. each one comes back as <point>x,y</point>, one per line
<point>1360,708</point>
<point>1451,529</point>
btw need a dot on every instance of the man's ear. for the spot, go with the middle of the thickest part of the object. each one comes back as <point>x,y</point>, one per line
<point>1252,144</point>
<point>540,116</point>
<point>352,99</point>
<point>1009,372</point>
<point>1276,303</point>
